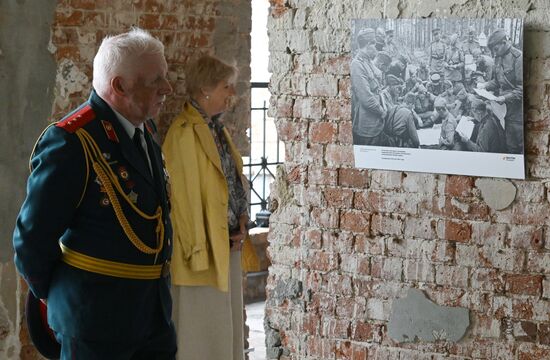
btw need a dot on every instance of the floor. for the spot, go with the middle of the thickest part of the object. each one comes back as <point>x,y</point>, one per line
<point>256,339</point>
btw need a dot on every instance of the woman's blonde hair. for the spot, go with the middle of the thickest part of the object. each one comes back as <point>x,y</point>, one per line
<point>206,72</point>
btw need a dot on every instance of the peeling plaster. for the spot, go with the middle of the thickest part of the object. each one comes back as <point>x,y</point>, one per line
<point>497,193</point>
<point>416,318</point>
<point>69,80</point>
<point>9,331</point>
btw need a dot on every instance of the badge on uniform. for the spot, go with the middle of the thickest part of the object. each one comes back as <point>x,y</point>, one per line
<point>110,131</point>
<point>123,173</point>
<point>133,197</point>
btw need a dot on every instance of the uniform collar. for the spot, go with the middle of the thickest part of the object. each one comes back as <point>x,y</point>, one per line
<point>127,125</point>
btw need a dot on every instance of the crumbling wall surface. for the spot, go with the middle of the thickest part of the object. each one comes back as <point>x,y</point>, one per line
<point>346,243</point>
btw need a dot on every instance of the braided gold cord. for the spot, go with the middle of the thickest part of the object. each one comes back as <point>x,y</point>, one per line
<point>108,178</point>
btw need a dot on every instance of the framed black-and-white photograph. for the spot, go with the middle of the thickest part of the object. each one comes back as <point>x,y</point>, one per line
<point>438,95</point>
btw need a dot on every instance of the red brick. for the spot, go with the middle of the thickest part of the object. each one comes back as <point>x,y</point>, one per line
<point>291,130</point>
<point>468,210</point>
<point>325,218</point>
<point>338,109</point>
<point>339,284</point>
<point>344,133</point>
<point>321,261</point>
<point>320,348</point>
<point>323,132</point>
<point>353,178</point>
<point>338,65</point>
<point>537,353</point>
<point>70,52</point>
<point>170,22</point>
<point>320,175</point>
<point>544,333</point>
<point>362,331</point>
<point>386,225</point>
<point>522,309</point>
<point>344,88</point>
<point>296,175</point>
<point>278,8</point>
<point>337,155</point>
<point>458,231</point>
<point>344,351</point>
<point>313,239</point>
<point>338,197</point>
<point>86,4</point>
<point>310,324</point>
<point>459,185</point>
<point>355,221</point>
<point>200,24</point>
<point>524,284</point>
<point>537,239</point>
<point>199,41</point>
<point>283,106</point>
<point>65,36</point>
<point>307,108</point>
<point>149,21</point>
<point>335,328</point>
<point>68,18</point>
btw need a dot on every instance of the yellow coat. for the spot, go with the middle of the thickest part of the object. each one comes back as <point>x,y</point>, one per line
<point>199,198</point>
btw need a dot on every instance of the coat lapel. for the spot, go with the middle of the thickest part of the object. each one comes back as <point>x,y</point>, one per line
<point>127,147</point>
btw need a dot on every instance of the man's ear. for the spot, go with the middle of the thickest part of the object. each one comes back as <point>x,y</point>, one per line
<point>119,86</point>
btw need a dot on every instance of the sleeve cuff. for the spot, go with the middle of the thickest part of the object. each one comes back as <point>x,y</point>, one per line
<point>199,260</point>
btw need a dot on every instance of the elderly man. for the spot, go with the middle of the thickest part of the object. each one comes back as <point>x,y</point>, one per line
<point>488,134</point>
<point>507,83</point>
<point>368,114</point>
<point>93,237</point>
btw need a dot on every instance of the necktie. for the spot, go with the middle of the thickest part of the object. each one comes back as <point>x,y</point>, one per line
<point>139,146</point>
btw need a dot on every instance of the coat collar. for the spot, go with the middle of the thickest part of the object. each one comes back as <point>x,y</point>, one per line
<point>191,117</point>
<point>129,151</point>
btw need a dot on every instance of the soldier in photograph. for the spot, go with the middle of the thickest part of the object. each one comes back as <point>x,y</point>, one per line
<point>507,84</point>
<point>400,125</point>
<point>454,60</point>
<point>435,86</point>
<point>488,134</point>
<point>368,114</point>
<point>437,53</point>
<point>471,45</point>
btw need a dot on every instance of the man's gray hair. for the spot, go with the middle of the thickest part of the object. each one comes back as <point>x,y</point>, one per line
<point>117,56</point>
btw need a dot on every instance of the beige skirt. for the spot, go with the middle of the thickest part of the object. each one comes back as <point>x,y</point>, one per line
<point>209,322</point>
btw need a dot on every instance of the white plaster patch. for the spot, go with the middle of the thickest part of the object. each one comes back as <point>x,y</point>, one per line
<point>69,80</point>
<point>416,318</point>
<point>498,194</point>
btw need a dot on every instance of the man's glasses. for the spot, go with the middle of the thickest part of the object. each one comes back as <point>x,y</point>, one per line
<point>440,108</point>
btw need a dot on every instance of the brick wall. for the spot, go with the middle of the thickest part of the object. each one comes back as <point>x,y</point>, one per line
<point>346,242</point>
<point>185,27</point>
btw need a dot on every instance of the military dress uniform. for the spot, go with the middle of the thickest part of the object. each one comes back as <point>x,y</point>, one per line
<point>94,234</point>
<point>508,82</point>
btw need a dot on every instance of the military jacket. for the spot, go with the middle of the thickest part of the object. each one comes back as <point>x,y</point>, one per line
<point>471,48</point>
<point>367,109</point>
<point>437,56</point>
<point>508,76</point>
<point>68,203</point>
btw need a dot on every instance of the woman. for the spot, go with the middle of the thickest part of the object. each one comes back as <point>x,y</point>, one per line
<point>209,216</point>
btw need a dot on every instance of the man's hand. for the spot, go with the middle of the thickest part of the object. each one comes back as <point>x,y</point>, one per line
<point>44,301</point>
<point>500,99</point>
